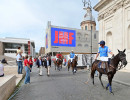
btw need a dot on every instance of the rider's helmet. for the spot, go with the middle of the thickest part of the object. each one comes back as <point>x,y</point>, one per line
<point>102,42</point>
<point>72,51</point>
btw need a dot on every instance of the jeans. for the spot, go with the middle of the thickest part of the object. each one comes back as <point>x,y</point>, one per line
<point>27,77</point>
<point>20,67</point>
<point>31,68</point>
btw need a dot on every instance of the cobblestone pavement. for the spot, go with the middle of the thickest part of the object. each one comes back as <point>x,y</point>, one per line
<point>64,85</point>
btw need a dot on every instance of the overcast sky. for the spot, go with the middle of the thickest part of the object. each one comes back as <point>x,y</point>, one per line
<point>28,18</point>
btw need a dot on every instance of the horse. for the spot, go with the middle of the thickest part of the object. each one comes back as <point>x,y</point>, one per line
<point>54,63</point>
<point>73,64</point>
<point>113,67</point>
<point>59,63</point>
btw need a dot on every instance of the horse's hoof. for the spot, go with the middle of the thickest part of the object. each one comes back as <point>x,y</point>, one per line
<point>106,88</point>
<point>112,93</point>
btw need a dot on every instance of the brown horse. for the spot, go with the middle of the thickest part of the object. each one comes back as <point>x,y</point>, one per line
<point>58,63</point>
<point>54,63</point>
<point>113,66</point>
<point>73,64</point>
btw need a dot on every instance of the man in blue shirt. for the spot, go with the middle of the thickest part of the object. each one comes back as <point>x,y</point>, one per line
<point>72,55</point>
<point>19,62</point>
<point>103,51</point>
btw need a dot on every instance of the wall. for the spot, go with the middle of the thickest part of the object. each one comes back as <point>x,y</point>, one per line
<point>114,19</point>
<point>83,37</point>
<point>1,48</point>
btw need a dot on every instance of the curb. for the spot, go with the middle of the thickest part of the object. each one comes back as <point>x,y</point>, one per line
<point>117,81</point>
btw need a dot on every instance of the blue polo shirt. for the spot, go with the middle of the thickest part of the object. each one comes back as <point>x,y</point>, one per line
<point>104,51</point>
<point>72,55</point>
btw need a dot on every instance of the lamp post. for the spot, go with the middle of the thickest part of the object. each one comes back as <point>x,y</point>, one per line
<point>89,6</point>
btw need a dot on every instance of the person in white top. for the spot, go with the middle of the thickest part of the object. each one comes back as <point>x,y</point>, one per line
<point>1,70</point>
<point>19,62</point>
<point>3,61</point>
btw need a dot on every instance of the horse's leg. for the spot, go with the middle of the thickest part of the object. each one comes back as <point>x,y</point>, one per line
<point>55,66</point>
<point>92,74</point>
<point>100,75</point>
<point>68,67</point>
<point>110,83</point>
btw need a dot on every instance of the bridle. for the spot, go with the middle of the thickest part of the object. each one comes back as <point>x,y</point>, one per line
<point>120,66</point>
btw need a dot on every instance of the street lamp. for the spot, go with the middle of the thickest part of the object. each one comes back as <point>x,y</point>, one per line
<point>89,6</point>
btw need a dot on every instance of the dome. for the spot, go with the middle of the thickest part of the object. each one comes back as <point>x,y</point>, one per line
<point>87,16</point>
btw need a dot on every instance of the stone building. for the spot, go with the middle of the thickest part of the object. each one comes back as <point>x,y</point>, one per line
<point>9,46</point>
<point>81,38</point>
<point>42,51</point>
<point>114,24</point>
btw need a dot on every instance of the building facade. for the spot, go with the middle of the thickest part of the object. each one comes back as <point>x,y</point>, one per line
<point>64,39</point>
<point>80,42</point>
<point>9,46</point>
<point>41,51</point>
<point>114,24</point>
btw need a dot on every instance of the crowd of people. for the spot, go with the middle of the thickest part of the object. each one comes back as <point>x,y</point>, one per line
<point>45,61</point>
<point>28,62</point>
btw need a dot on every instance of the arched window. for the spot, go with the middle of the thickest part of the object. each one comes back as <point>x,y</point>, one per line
<point>79,35</point>
<point>86,45</point>
<point>128,38</point>
<point>86,36</point>
<point>109,40</point>
<point>86,28</point>
<point>95,36</point>
<point>79,45</point>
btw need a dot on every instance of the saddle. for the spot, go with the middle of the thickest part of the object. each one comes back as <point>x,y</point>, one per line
<point>104,65</point>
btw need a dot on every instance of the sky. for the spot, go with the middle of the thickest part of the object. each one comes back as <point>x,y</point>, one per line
<point>28,18</point>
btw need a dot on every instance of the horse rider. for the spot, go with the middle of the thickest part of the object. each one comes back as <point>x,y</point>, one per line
<point>72,55</point>
<point>103,51</point>
<point>58,55</point>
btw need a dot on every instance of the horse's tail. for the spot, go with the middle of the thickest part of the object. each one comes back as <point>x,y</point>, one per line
<point>92,70</point>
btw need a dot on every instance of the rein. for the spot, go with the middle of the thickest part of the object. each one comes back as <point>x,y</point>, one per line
<point>119,67</point>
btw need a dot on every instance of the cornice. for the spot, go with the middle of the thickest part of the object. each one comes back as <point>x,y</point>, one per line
<point>98,6</point>
<point>113,9</point>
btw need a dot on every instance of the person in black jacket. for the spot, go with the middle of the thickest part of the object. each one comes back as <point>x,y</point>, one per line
<point>47,64</point>
<point>39,65</point>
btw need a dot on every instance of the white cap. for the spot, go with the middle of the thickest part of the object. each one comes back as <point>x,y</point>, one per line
<point>71,50</point>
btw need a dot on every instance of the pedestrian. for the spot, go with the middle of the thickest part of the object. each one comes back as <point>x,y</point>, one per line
<point>34,62</point>
<point>65,62</point>
<point>47,64</point>
<point>19,51</point>
<point>30,63</point>
<point>2,62</point>
<point>40,65</point>
<point>19,62</point>
<point>27,70</point>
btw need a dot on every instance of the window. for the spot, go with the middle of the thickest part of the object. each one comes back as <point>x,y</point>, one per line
<point>80,45</point>
<point>86,45</point>
<point>95,36</point>
<point>91,27</point>
<point>12,45</point>
<point>86,28</point>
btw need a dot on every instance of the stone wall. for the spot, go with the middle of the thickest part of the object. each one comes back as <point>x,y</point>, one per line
<point>83,42</point>
<point>1,48</point>
<point>114,24</point>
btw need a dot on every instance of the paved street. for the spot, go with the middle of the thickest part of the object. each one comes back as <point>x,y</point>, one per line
<point>64,85</point>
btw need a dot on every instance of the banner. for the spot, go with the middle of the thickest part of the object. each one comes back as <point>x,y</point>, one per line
<point>29,48</point>
<point>63,37</point>
<point>46,41</point>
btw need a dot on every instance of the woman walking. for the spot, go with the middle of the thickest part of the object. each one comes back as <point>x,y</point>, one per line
<point>30,63</point>
<point>27,69</point>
